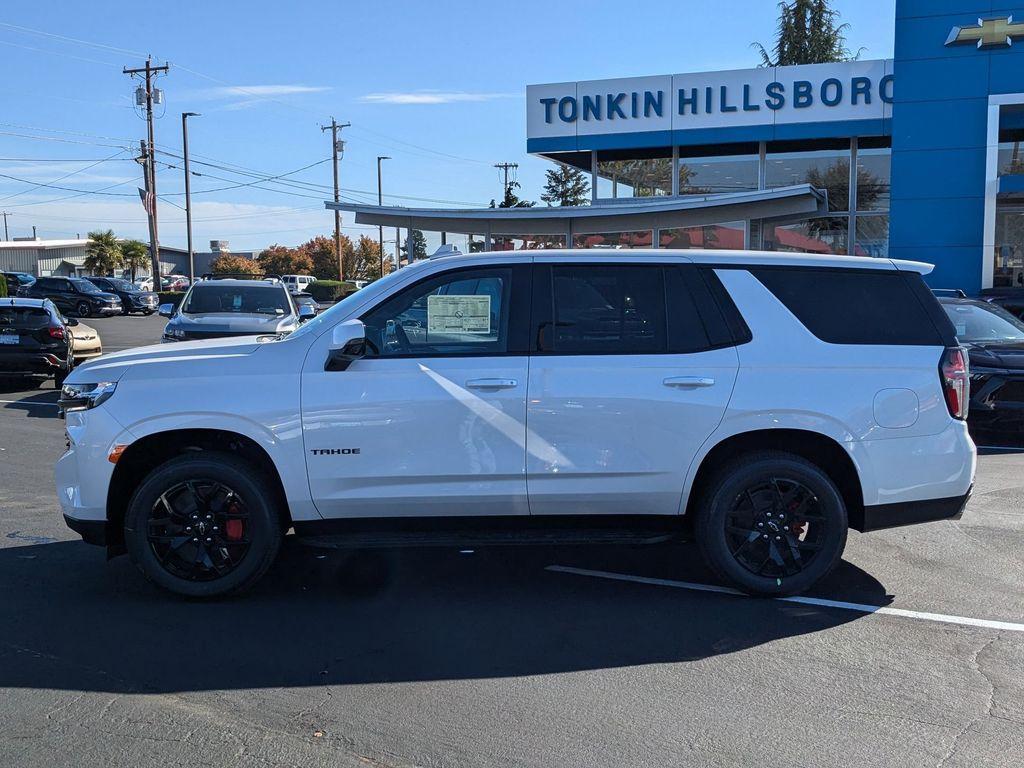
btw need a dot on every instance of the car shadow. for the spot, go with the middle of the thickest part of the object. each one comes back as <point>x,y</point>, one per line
<point>73,622</point>
<point>42,405</point>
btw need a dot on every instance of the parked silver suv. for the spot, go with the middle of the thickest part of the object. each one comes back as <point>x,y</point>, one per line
<point>215,308</point>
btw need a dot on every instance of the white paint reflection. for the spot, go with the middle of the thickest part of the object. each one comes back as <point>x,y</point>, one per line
<point>525,438</point>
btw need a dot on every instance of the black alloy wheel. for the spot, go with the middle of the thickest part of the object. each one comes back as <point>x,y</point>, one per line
<point>83,309</point>
<point>772,523</point>
<point>197,530</point>
<point>775,527</point>
<point>204,524</point>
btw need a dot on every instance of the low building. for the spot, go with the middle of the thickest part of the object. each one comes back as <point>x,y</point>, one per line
<point>45,258</point>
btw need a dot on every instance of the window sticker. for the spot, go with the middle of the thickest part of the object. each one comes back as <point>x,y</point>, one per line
<point>458,314</point>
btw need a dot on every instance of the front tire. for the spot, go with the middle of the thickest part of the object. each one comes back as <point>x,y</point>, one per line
<point>203,525</point>
<point>771,523</point>
<point>82,309</point>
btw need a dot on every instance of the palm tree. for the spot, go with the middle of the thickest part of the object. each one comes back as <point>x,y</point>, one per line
<point>103,253</point>
<point>135,255</point>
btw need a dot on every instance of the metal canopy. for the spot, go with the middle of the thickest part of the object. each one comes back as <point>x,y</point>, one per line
<point>617,215</point>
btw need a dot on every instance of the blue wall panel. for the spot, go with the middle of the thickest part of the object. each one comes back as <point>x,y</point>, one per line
<point>911,8</point>
<point>938,174</point>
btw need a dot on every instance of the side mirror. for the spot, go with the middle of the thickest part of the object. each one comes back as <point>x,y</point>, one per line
<point>348,344</point>
<point>166,310</point>
<point>306,312</point>
<point>70,322</point>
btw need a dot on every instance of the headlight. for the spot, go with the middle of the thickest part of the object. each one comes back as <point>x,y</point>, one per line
<point>76,397</point>
<point>174,333</point>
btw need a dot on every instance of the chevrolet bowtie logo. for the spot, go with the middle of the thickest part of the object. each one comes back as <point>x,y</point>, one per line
<point>988,34</point>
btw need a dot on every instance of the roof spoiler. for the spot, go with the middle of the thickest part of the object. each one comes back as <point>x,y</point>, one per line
<point>913,266</point>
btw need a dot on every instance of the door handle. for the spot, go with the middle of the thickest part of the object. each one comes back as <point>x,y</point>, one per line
<point>689,382</point>
<point>492,383</point>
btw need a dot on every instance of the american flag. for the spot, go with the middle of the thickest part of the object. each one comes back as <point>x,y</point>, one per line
<point>147,200</point>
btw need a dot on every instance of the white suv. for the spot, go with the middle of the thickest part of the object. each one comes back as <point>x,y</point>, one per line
<point>761,403</point>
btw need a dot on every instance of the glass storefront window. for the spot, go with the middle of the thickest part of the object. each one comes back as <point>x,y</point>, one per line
<point>1009,253</point>
<point>826,236</point>
<point>639,239</point>
<point>874,179</point>
<point>526,242</point>
<point>718,175</point>
<point>642,177</point>
<point>1011,158</point>
<point>872,237</point>
<point>728,236</point>
<point>827,169</point>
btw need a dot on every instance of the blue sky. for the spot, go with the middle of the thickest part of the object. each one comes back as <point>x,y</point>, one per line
<point>438,86</point>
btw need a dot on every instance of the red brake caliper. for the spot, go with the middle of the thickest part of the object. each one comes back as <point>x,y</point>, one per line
<point>234,528</point>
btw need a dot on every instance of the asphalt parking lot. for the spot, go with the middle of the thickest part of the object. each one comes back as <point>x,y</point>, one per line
<point>523,657</point>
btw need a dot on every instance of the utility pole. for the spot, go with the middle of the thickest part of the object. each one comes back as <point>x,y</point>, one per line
<point>188,195</point>
<point>6,236</point>
<point>380,202</point>
<point>146,97</point>
<point>338,149</point>
<point>506,167</point>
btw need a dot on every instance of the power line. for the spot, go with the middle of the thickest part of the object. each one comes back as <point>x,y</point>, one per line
<point>65,176</point>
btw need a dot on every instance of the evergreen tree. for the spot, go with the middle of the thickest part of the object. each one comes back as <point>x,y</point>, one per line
<point>566,186</point>
<point>512,200</point>
<point>419,246</point>
<point>809,33</point>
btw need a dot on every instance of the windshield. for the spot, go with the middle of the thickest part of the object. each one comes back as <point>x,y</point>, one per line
<point>980,323</point>
<point>237,299</point>
<point>85,286</point>
<point>121,285</point>
<point>328,316</point>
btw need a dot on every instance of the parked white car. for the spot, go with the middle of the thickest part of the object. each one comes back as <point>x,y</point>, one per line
<point>761,403</point>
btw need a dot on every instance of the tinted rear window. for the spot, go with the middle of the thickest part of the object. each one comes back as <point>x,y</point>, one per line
<point>23,317</point>
<point>844,306</point>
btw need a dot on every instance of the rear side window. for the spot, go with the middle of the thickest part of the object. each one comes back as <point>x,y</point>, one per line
<point>845,306</point>
<point>604,310</point>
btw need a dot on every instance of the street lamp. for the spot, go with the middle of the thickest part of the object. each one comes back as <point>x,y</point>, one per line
<point>380,202</point>
<point>188,194</point>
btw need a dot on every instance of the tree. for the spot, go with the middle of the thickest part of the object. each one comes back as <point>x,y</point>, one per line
<point>566,185</point>
<point>324,259</point>
<point>808,33</point>
<point>135,255</point>
<point>103,253</point>
<point>419,245</point>
<point>282,260</point>
<point>511,199</point>
<point>367,258</point>
<point>229,264</point>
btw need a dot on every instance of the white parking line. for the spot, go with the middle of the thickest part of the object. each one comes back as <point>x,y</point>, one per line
<point>820,602</point>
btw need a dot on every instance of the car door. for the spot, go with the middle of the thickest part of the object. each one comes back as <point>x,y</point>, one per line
<point>432,420</point>
<point>626,383</point>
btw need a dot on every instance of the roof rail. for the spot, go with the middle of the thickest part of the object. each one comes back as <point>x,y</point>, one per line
<point>953,293</point>
<point>239,276</point>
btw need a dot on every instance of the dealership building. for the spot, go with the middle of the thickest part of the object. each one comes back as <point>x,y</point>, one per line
<point>918,157</point>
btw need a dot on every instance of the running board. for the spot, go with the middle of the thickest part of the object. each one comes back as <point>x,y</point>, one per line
<point>473,536</point>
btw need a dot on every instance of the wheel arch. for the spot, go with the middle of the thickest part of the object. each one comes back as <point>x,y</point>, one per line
<point>820,449</point>
<point>149,452</point>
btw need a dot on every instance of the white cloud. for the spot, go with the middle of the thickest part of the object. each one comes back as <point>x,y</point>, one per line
<point>432,97</point>
<point>257,91</point>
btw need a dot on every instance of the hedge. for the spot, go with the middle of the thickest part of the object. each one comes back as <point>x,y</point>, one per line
<point>3,286</point>
<point>170,297</point>
<point>330,290</point>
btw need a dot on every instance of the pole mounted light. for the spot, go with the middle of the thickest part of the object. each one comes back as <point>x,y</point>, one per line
<point>380,202</point>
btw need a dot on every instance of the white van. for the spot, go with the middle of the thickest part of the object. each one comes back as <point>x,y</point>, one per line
<point>298,283</point>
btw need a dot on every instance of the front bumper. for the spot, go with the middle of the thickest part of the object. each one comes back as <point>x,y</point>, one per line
<point>881,516</point>
<point>91,531</point>
<point>997,400</point>
<point>82,475</point>
<point>107,309</point>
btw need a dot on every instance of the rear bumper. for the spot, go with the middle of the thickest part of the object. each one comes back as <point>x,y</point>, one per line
<point>30,364</point>
<point>881,516</point>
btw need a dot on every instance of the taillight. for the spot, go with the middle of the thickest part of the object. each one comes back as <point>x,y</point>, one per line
<point>955,381</point>
<point>56,331</point>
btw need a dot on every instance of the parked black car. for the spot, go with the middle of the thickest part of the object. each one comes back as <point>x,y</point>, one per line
<point>35,341</point>
<point>994,339</point>
<point>73,295</point>
<point>133,299</point>
<point>1010,299</point>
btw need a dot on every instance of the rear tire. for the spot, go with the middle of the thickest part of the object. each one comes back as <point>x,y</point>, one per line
<point>184,492</point>
<point>771,523</point>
